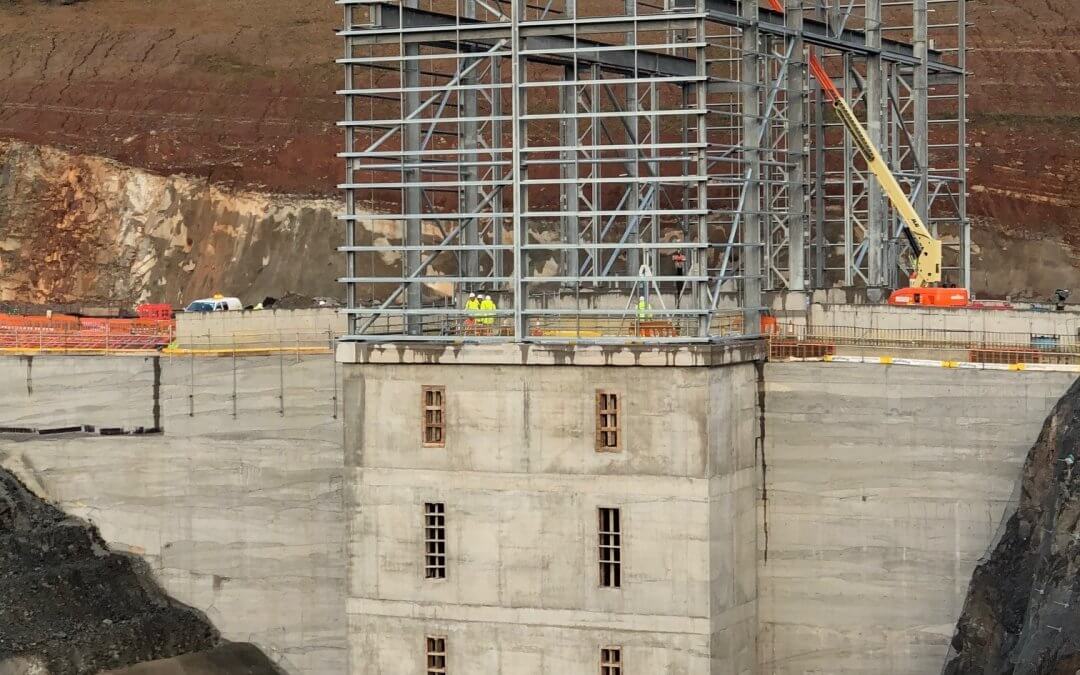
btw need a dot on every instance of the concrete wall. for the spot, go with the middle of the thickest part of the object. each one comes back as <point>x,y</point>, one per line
<point>240,517</point>
<point>223,330</point>
<point>54,391</point>
<point>884,487</point>
<point>522,482</point>
<point>887,317</point>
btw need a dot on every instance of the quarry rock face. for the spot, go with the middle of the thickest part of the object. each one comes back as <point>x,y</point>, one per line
<point>85,229</point>
<point>1022,613</point>
<point>69,606</point>
<point>88,230</point>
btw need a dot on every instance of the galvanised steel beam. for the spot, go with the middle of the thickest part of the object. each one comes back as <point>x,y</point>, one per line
<point>919,95</point>
<point>588,144</point>
<point>412,179</point>
<point>961,153</point>
<point>874,88</point>
<point>796,97</point>
<point>753,125</point>
<point>352,325</point>
<point>568,172</point>
<point>818,33</point>
<point>470,171</point>
<point>542,43</point>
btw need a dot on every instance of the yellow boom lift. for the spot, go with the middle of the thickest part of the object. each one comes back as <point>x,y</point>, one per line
<point>926,259</point>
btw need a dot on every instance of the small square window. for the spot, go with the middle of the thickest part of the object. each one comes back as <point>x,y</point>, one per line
<point>611,661</point>
<point>436,655</point>
<point>433,409</point>
<point>608,434</point>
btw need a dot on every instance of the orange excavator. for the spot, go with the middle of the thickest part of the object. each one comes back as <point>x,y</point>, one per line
<point>926,250</point>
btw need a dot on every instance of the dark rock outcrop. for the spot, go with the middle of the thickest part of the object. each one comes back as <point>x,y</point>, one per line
<point>69,606</point>
<point>1022,613</point>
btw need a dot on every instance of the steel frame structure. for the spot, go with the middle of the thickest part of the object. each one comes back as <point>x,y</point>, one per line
<point>558,154</point>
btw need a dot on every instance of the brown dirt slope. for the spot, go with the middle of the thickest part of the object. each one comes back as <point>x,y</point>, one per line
<point>1025,131</point>
<point>240,91</point>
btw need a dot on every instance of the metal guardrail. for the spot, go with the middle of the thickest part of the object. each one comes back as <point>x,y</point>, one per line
<point>618,325</point>
<point>203,344</point>
<point>254,342</point>
<point>61,333</point>
<point>791,340</point>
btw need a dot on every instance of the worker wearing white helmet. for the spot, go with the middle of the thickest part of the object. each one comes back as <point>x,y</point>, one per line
<point>487,311</point>
<point>644,309</point>
<point>472,309</point>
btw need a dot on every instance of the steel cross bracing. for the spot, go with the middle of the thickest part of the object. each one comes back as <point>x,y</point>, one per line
<point>569,158</point>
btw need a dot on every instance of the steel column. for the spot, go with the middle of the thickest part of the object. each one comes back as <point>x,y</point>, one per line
<point>412,178</point>
<point>750,78</point>
<point>876,228</point>
<point>919,93</point>
<point>796,146</point>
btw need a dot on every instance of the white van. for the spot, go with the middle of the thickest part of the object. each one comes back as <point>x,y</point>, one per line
<point>218,303</point>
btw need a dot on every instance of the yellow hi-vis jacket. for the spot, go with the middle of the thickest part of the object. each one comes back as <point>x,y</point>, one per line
<point>472,306</point>
<point>644,311</point>
<point>487,311</point>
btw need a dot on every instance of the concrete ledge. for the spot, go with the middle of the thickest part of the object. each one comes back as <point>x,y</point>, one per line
<point>710,355</point>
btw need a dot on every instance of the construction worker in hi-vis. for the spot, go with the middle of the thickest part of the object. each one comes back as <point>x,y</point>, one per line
<point>487,310</point>
<point>472,308</point>
<point>644,310</point>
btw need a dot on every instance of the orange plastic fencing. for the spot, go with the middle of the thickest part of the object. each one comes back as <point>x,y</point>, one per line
<point>60,331</point>
<point>148,311</point>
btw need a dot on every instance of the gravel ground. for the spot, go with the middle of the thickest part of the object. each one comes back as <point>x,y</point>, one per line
<point>69,602</point>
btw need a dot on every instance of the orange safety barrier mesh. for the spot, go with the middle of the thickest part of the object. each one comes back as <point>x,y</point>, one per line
<point>158,311</point>
<point>36,323</point>
<point>60,331</point>
<point>657,329</point>
<point>784,349</point>
<point>1008,356</point>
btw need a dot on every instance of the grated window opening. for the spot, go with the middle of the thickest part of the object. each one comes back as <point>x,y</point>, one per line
<point>434,540</point>
<point>433,403</point>
<point>608,434</point>
<point>436,655</point>
<point>610,539</point>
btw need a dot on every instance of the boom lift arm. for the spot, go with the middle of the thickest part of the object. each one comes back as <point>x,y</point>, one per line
<point>927,249</point>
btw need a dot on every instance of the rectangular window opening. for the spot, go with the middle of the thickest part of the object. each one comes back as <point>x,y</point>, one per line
<point>434,540</point>
<point>433,401</point>
<point>436,655</point>
<point>610,548</point>
<point>608,436</point>
<point>611,661</point>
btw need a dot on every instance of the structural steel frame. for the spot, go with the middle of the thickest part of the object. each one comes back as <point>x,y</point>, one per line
<point>557,155</point>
